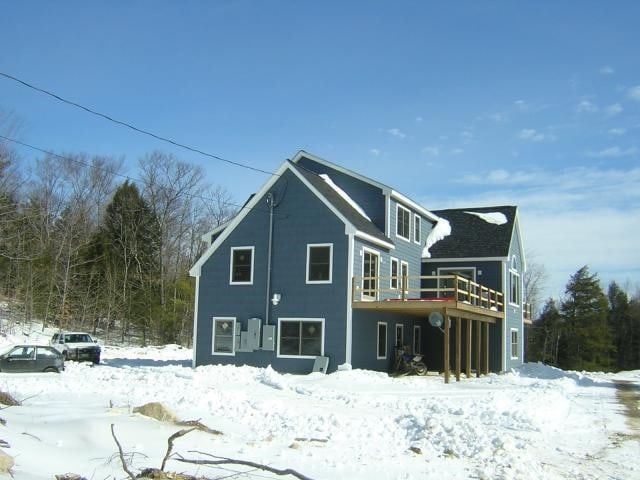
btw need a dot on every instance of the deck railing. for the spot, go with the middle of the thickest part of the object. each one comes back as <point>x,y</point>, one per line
<point>432,287</point>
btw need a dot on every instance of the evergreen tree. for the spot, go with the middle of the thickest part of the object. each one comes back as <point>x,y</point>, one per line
<point>589,343</point>
<point>621,326</point>
<point>131,239</point>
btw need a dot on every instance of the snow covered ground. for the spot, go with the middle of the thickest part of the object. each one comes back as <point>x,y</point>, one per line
<point>536,422</point>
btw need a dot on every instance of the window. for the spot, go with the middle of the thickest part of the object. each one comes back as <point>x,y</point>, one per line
<point>241,266</point>
<point>23,353</point>
<point>319,263</point>
<point>382,340</point>
<point>47,352</point>
<point>394,274</point>
<point>447,285</point>
<point>514,283</point>
<point>300,337</point>
<point>404,272</point>
<point>514,344</point>
<point>416,228</point>
<point>417,339</point>
<point>223,341</point>
<point>399,335</point>
<point>403,219</point>
<point>370,274</point>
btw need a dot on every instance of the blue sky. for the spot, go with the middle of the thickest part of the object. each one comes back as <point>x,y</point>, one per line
<point>456,105</point>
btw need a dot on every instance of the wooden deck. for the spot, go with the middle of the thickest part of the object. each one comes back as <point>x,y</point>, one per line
<point>450,295</point>
<point>456,298</point>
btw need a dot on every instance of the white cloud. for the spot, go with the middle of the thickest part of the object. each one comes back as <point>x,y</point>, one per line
<point>419,119</point>
<point>586,106</point>
<point>532,135</point>
<point>615,152</point>
<point>617,131</point>
<point>375,152</point>
<point>498,117</point>
<point>431,151</point>
<point>457,151</point>
<point>521,105</point>
<point>634,93</point>
<point>613,109</point>
<point>396,133</point>
<point>606,70</point>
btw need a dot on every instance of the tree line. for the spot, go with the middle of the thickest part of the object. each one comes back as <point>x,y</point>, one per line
<point>82,249</point>
<point>588,329</point>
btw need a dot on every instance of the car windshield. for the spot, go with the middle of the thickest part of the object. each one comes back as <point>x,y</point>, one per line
<point>77,338</point>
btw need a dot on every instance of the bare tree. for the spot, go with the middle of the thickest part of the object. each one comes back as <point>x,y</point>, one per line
<point>534,280</point>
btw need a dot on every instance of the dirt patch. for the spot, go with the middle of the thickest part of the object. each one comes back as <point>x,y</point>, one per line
<point>628,394</point>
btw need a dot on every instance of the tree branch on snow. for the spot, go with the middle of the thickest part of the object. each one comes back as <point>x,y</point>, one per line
<point>121,453</point>
<point>170,440</point>
<point>232,461</point>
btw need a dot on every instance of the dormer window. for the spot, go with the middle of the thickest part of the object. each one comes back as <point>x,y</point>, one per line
<point>403,223</point>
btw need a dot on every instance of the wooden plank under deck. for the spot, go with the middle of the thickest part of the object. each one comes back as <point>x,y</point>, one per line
<point>423,307</point>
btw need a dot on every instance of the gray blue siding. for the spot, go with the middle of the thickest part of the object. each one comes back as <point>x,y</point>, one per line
<point>293,229</point>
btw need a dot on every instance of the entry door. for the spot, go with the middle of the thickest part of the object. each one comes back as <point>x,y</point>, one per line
<point>370,273</point>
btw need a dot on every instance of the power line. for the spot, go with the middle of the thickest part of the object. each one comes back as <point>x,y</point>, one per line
<point>120,175</point>
<point>132,127</point>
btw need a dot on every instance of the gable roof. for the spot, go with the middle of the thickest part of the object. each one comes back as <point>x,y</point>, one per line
<point>354,217</point>
<point>353,220</point>
<point>386,190</point>
<point>473,236</point>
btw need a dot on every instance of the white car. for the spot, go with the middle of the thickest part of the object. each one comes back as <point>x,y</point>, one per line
<point>77,346</point>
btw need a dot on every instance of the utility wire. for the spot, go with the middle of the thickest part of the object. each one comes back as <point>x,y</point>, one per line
<point>126,177</point>
<point>133,127</point>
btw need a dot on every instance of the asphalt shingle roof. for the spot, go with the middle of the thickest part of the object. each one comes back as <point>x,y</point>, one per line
<point>472,236</point>
<point>341,205</point>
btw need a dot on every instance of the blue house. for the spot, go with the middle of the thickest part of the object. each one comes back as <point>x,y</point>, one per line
<point>325,262</point>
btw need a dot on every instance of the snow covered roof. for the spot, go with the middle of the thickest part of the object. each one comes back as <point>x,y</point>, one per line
<point>344,195</point>
<point>475,232</point>
<point>349,209</point>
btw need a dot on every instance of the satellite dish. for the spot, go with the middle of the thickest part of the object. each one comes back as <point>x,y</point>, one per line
<point>436,319</point>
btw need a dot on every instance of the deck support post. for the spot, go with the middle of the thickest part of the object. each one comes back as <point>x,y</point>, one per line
<point>486,348</point>
<point>468,344</point>
<point>458,347</point>
<point>478,345</point>
<point>447,324</point>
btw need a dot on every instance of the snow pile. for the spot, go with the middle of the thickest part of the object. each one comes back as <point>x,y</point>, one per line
<point>497,218</point>
<point>534,422</point>
<point>440,230</point>
<point>345,196</point>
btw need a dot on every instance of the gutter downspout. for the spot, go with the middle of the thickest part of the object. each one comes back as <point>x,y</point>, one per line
<point>269,248</point>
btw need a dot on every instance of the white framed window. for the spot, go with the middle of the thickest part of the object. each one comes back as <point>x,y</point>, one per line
<point>300,337</point>
<point>393,274</point>
<point>241,266</point>
<point>403,223</point>
<point>447,284</point>
<point>514,283</point>
<point>404,276</point>
<point>319,262</point>
<point>223,336</point>
<point>416,228</point>
<point>399,335</point>
<point>370,269</point>
<point>382,341</point>
<point>515,348</point>
<point>417,339</point>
